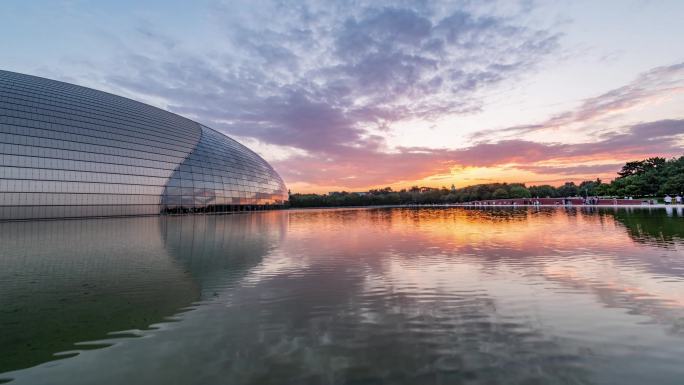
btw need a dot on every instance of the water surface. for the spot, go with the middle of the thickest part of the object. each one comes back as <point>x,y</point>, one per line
<point>360,296</point>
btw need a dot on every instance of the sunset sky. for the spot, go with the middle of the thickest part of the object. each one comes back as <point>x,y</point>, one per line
<point>352,95</point>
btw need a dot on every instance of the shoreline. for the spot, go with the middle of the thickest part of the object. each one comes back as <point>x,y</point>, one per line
<point>655,206</point>
<point>446,205</point>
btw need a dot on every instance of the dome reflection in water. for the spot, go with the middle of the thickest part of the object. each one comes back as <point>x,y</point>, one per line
<point>396,296</point>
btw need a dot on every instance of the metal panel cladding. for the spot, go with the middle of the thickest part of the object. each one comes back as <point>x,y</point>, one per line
<point>68,151</point>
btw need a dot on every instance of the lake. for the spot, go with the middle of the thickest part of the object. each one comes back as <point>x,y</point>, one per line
<point>347,296</point>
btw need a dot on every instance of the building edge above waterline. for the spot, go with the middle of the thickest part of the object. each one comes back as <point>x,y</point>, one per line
<point>237,210</point>
<point>68,151</point>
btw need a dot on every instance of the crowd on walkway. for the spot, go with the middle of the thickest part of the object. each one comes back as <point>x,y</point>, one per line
<point>677,199</point>
<point>585,201</point>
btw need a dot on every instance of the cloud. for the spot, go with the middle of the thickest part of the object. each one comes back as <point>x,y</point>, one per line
<point>326,80</point>
<point>372,168</point>
<point>663,138</point>
<point>591,169</point>
<point>321,77</point>
<point>648,87</point>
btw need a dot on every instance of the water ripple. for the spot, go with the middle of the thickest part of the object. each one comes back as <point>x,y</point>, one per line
<point>362,296</point>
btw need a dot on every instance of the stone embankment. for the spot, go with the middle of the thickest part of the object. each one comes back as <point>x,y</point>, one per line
<point>565,201</point>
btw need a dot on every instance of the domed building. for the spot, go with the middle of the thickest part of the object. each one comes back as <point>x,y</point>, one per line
<point>68,151</point>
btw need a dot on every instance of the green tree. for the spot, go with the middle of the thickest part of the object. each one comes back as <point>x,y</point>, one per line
<point>638,178</point>
<point>500,193</point>
<point>519,191</point>
<point>673,177</point>
<point>589,187</point>
<point>569,189</point>
<point>604,189</point>
<point>543,191</point>
<point>641,166</point>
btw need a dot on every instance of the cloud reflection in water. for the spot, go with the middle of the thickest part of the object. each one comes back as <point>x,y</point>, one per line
<point>412,296</point>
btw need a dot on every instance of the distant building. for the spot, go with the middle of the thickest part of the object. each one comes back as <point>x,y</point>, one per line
<point>71,151</point>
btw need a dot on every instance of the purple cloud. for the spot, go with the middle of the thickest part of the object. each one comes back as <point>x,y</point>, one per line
<point>647,86</point>
<point>324,79</point>
<point>364,167</point>
<point>317,78</point>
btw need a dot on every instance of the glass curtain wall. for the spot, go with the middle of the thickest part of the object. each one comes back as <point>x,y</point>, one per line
<point>70,151</point>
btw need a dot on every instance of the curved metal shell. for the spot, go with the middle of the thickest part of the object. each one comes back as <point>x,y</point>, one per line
<point>68,151</point>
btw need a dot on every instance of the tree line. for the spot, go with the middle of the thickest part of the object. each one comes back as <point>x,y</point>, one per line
<point>652,177</point>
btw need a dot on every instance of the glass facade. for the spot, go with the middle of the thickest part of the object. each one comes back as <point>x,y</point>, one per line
<point>68,151</point>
